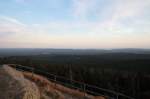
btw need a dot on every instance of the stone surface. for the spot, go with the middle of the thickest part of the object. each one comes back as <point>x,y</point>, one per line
<point>13,85</point>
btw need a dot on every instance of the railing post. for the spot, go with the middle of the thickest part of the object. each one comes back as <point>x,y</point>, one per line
<point>15,67</point>
<point>32,72</point>
<point>117,96</point>
<point>55,79</point>
<point>84,90</point>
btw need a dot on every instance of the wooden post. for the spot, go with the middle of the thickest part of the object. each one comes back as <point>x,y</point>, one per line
<point>55,79</point>
<point>70,73</point>
<point>117,97</point>
<point>15,67</point>
<point>84,89</point>
<point>32,72</point>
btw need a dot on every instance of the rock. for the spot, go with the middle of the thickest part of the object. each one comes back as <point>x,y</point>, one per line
<point>13,85</point>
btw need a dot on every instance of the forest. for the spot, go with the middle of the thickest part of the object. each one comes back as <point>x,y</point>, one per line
<point>128,73</point>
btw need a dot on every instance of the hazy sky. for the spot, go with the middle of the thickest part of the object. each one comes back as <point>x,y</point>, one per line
<point>75,23</point>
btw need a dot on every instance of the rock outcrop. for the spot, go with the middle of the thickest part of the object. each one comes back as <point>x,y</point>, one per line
<point>13,85</point>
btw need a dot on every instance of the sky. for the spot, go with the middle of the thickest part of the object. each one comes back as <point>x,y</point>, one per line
<point>95,24</point>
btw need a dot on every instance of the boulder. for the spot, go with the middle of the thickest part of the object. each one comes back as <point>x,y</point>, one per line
<point>13,85</point>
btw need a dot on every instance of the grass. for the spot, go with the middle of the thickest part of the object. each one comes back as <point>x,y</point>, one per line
<point>57,91</point>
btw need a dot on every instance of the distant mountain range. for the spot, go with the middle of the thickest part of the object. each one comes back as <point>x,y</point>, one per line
<point>39,51</point>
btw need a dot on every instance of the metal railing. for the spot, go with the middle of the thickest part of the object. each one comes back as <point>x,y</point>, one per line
<point>86,88</point>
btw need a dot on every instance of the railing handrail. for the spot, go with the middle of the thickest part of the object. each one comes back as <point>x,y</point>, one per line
<point>81,83</point>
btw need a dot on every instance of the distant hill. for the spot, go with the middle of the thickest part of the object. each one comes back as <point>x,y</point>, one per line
<point>38,51</point>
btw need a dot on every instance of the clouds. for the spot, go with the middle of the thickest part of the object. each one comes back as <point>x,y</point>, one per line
<point>126,9</point>
<point>81,8</point>
<point>53,34</point>
<point>124,14</point>
<point>129,8</point>
<point>10,26</point>
<point>117,23</point>
<point>119,16</point>
<point>116,8</point>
